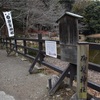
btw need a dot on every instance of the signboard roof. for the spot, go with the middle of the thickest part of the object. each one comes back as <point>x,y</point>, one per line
<point>70,14</point>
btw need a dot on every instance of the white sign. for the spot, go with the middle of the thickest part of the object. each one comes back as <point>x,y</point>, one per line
<point>9,23</point>
<point>51,48</point>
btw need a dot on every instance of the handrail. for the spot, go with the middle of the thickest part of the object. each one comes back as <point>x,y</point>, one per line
<point>92,46</point>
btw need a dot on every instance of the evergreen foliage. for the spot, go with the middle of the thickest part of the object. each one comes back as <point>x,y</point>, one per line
<point>80,5</point>
<point>92,16</point>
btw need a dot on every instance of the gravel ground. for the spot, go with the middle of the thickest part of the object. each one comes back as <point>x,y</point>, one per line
<point>17,82</point>
<point>92,75</point>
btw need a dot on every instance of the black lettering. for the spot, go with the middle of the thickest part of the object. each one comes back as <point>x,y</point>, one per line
<point>10,25</point>
<point>83,69</point>
<point>9,21</point>
<point>11,29</point>
<point>12,32</point>
<point>83,79</point>
<point>8,17</point>
<point>82,89</point>
<point>83,58</point>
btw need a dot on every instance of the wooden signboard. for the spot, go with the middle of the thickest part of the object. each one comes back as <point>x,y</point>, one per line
<point>82,70</point>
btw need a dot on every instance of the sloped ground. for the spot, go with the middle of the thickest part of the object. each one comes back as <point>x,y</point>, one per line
<point>18,84</point>
<point>16,81</point>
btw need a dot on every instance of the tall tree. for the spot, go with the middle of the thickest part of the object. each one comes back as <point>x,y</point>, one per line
<point>18,9</point>
<point>67,4</point>
<point>92,16</point>
<point>32,12</point>
<point>80,5</point>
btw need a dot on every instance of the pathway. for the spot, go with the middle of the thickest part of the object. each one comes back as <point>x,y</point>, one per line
<point>17,83</point>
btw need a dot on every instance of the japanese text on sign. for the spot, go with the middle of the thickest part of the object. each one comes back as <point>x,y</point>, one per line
<point>9,23</point>
<point>51,48</point>
<point>83,78</point>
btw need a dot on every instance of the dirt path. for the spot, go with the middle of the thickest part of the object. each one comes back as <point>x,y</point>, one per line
<point>17,82</point>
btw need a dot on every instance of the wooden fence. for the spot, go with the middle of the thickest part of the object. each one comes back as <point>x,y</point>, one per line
<point>12,45</point>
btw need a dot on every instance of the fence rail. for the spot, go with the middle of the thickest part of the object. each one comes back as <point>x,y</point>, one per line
<point>12,45</point>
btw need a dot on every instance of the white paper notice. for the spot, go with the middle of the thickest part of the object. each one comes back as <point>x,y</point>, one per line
<point>51,48</point>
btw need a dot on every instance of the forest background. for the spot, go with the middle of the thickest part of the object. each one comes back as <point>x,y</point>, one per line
<point>31,16</point>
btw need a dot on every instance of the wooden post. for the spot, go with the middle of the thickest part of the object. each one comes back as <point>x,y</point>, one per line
<point>24,44</point>
<point>10,45</point>
<point>82,70</point>
<point>15,44</point>
<point>7,47</point>
<point>72,74</point>
<point>40,48</point>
